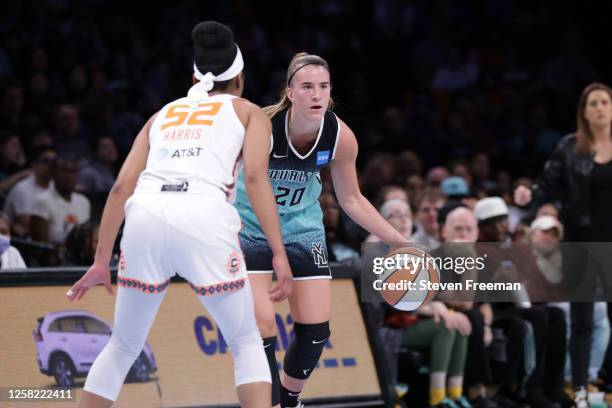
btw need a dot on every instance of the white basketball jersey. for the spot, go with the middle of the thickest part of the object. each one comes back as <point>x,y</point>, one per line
<point>194,142</point>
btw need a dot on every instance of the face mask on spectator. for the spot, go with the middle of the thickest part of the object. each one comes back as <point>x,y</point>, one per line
<point>5,242</point>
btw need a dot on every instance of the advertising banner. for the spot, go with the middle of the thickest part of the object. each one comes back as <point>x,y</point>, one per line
<point>185,362</point>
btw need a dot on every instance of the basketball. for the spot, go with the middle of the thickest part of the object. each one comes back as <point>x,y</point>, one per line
<point>406,285</point>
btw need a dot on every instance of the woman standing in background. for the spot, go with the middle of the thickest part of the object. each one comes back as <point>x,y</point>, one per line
<point>579,176</point>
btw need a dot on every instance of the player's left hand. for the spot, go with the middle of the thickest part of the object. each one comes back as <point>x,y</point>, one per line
<point>95,275</point>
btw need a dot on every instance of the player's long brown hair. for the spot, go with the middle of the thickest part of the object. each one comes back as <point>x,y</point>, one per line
<point>298,61</point>
<point>584,135</point>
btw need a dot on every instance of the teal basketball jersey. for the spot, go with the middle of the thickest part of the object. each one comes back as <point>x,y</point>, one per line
<point>295,179</point>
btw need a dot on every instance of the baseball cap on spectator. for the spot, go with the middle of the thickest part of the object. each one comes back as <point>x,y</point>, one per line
<point>546,222</point>
<point>447,209</point>
<point>490,207</point>
<point>455,187</point>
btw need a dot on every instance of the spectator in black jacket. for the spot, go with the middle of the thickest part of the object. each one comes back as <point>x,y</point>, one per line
<point>579,176</point>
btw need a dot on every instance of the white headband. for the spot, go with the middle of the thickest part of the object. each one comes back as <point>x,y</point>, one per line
<point>206,81</point>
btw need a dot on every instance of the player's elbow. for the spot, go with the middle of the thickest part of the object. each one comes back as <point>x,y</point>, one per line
<point>348,201</point>
<point>121,189</point>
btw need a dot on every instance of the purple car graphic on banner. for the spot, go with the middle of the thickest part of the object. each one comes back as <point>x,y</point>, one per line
<point>68,342</point>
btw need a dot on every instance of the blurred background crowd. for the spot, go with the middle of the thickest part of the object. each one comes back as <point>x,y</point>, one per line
<point>451,102</point>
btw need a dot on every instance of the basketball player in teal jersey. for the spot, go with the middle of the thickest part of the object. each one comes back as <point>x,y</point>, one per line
<point>306,136</point>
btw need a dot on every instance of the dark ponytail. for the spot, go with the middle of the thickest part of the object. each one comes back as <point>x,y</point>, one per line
<point>214,49</point>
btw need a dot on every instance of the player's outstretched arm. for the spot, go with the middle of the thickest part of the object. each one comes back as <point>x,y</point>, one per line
<point>255,154</point>
<point>344,176</point>
<point>113,215</point>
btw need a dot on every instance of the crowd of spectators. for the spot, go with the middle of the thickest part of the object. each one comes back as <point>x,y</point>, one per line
<point>443,82</point>
<point>486,354</point>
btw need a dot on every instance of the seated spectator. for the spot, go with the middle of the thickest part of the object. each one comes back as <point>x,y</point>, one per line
<point>57,210</point>
<point>458,225</point>
<point>70,135</point>
<point>398,213</point>
<point>435,175</point>
<point>98,176</point>
<point>492,216</point>
<point>548,209</point>
<point>459,231</point>
<point>18,205</point>
<point>444,334</point>
<point>544,385</point>
<point>520,232</point>
<point>426,206</point>
<point>481,171</point>
<point>81,244</point>
<point>11,106</point>
<point>12,162</point>
<point>457,189</point>
<point>407,164</point>
<point>457,73</point>
<point>10,258</point>
<point>414,185</point>
<point>390,193</point>
<point>545,236</point>
<point>460,168</point>
<point>40,138</point>
<point>338,250</point>
<point>379,172</point>
<point>351,229</point>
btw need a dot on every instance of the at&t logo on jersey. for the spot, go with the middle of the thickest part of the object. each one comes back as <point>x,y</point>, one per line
<point>190,152</point>
<point>162,154</point>
<point>179,153</point>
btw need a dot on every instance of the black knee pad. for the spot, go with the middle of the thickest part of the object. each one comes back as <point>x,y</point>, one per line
<point>305,350</point>
<point>270,349</point>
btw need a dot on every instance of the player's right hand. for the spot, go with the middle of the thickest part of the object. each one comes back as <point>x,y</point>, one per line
<point>284,279</point>
<point>95,275</point>
<point>522,195</point>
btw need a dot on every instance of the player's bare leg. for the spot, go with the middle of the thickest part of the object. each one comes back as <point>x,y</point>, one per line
<point>266,322</point>
<point>90,400</point>
<point>254,395</point>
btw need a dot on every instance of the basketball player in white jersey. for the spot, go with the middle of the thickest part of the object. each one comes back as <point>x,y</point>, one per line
<point>179,178</point>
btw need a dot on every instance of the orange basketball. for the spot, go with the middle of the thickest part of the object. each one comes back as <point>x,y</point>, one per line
<point>405,286</point>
